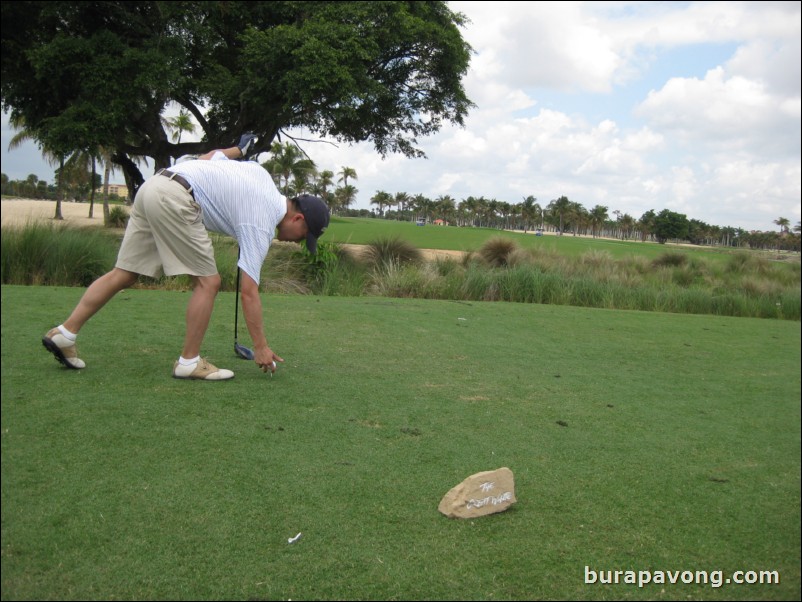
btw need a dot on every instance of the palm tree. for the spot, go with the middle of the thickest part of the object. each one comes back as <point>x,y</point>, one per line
<point>492,210</point>
<point>325,179</point>
<point>179,124</point>
<point>627,223</point>
<point>783,223</point>
<point>446,207</point>
<point>288,161</point>
<point>469,209</point>
<point>345,173</point>
<point>597,215</point>
<point>30,184</point>
<point>382,199</point>
<point>303,171</point>
<point>401,199</point>
<point>506,211</point>
<point>646,224</point>
<point>73,175</point>
<point>419,204</point>
<point>92,187</point>
<point>578,217</point>
<point>105,156</point>
<point>530,211</point>
<point>51,156</point>
<point>484,211</point>
<point>77,165</point>
<point>559,208</point>
<point>345,196</point>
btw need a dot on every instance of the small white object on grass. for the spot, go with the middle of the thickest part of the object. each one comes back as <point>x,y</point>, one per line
<point>294,539</point>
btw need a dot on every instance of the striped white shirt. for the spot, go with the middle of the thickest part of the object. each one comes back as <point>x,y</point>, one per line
<point>237,198</point>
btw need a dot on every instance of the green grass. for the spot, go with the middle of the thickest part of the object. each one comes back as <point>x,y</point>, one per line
<point>679,449</point>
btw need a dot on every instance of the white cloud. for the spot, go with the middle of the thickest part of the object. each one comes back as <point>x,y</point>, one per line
<point>774,63</point>
<point>720,112</point>
<point>539,44</point>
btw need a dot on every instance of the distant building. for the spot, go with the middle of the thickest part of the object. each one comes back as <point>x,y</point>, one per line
<point>120,190</point>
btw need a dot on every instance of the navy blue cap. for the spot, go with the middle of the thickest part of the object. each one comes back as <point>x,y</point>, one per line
<point>316,215</point>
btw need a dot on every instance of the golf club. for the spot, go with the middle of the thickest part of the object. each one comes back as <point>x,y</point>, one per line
<point>241,350</point>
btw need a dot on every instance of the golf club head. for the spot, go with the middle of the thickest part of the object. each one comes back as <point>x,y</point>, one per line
<point>243,352</point>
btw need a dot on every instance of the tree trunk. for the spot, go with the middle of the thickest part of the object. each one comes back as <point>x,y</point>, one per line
<point>106,174</point>
<point>60,195</point>
<point>92,191</point>
<point>133,177</point>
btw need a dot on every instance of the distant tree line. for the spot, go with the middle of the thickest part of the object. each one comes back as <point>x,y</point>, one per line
<point>33,188</point>
<point>295,173</point>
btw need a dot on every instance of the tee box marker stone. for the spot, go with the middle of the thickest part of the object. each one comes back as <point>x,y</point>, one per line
<point>480,494</point>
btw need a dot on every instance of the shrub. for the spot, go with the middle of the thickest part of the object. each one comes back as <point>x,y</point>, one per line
<point>392,251</point>
<point>496,252</point>
<point>445,266</point>
<point>670,259</point>
<point>749,263</point>
<point>118,217</point>
<point>596,259</point>
<point>345,278</point>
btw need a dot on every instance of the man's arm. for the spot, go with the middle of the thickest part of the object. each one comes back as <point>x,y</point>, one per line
<point>231,153</point>
<point>244,147</point>
<point>252,309</point>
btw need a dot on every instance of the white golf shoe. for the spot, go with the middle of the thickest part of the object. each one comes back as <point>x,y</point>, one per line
<point>63,349</point>
<point>201,370</point>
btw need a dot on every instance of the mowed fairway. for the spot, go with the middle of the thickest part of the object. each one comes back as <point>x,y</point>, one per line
<point>366,230</point>
<point>638,441</point>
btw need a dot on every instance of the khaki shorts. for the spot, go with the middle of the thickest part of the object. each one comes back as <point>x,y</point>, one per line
<point>165,233</point>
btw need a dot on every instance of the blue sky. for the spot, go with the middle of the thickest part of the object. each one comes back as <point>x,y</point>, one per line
<point>689,106</point>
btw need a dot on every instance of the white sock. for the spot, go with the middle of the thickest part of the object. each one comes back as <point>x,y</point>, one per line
<point>67,334</point>
<point>185,362</point>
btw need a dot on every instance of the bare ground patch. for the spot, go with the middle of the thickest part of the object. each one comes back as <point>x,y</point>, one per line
<point>19,212</point>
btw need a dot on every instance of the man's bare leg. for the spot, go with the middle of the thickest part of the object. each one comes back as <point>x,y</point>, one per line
<point>199,313</point>
<point>97,295</point>
<point>60,341</point>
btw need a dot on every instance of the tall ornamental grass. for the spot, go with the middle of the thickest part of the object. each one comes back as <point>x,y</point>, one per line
<point>742,284</point>
<point>51,255</point>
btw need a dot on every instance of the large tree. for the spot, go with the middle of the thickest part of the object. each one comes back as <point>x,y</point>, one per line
<point>90,74</point>
<point>669,224</point>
